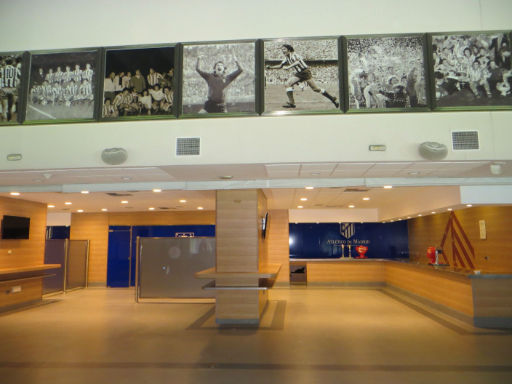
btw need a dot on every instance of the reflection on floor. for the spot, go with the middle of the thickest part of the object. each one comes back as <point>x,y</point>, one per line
<point>307,335</point>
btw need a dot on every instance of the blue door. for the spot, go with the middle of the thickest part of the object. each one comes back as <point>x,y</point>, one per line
<point>119,268</point>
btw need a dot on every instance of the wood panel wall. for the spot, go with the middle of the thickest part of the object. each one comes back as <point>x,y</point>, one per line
<point>237,240</point>
<point>94,227</point>
<point>23,253</point>
<point>490,255</point>
<point>346,272</point>
<point>278,243</point>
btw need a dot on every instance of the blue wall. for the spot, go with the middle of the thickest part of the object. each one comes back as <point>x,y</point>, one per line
<point>323,241</point>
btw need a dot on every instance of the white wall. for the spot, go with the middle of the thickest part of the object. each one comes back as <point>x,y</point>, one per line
<point>55,24</point>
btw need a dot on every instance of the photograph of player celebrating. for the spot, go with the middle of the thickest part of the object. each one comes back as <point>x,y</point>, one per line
<point>217,82</point>
<point>219,78</point>
<point>316,68</point>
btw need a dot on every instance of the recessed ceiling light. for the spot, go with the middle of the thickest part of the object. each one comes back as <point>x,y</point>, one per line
<point>408,217</point>
<point>183,201</point>
<point>151,208</point>
<point>420,215</point>
<point>156,190</point>
<point>433,212</point>
<point>310,187</point>
<point>51,206</point>
<point>300,206</point>
<point>303,199</point>
<point>200,208</point>
<point>450,209</point>
<point>84,192</point>
<point>104,209</point>
<point>366,198</point>
<point>124,202</point>
<point>68,203</point>
<point>80,210</point>
<point>351,206</point>
<point>226,177</point>
<point>126,178</point>
<point>388,186</point>
<point>469,205</point>
<point>15,193</point>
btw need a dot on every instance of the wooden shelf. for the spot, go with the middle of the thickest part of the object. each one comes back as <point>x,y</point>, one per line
<point>268,271</point>
<point>31,268</point>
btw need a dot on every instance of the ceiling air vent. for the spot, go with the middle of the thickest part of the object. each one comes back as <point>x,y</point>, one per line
<point>116,194</point>
<point>355,190</point>
<point>188,146</point>
<point>464,140</point>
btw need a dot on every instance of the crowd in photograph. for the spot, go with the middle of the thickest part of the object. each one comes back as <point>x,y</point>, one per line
<point>480,64</point>
<point>73,85</point>
<point>386,73</point>
<point>310,50</point>
<point>127,94</point>
<point>10,75</point>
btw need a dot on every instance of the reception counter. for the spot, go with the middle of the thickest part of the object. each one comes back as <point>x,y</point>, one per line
<point>486,299</point>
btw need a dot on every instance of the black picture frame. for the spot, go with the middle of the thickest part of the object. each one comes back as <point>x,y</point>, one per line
<point>386,73</point>
<point>13,75</point>
<point>63,106</point>
<point>317,71</point>
<point>458,86</point>
<point>202,96</point>
<point>158,103</point>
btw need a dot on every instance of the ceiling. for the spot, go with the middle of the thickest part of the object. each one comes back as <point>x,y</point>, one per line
<point>337,185</point>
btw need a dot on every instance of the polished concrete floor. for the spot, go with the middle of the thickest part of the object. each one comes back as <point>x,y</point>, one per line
<point>308,335</point>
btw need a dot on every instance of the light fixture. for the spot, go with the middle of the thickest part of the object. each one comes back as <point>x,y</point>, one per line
<point>114,156</point>
<point>408,217</point>
<point>200,208</point>
<point>388,186</point>
<point>300,206</point>
<point>84,192</point>
<point>183,201</point>
<point>496,168</point>
<point>104,209</point>
<point>151,208</point>
<point>432,150</point>
<point>310,187</point>
<point>433,212</point>
<point>14,193</point>
<point>420,215</point>
<point>450,209</point>
<point>14,157</point>
<point>377,147</point>
<point>351,206</point>
<point>226,177</point>
<point>124,202</point>
<point>157,190</point>
<point>303,199</point>
<point>80,210</point>
<point>68,203</point>
<point>469,205</point>
<point>366,198</point>
<point>51,206</point>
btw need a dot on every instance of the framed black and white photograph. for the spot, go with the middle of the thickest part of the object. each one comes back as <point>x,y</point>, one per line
<point>301,75</point>
<point>11,65</point>
<point>472,70</point>
<point>139,82</point>
<point>62,86</point>
<point>387,73</point>
<point>219,79</point>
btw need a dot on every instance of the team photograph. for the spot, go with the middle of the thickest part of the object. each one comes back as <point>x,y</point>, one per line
<point>386,72</point>
<point>472,70</point>
<point>62,86</point>
<point>138,82</point>
<point>301,75</point>
<point>219,78</point>
<point>10,81</point>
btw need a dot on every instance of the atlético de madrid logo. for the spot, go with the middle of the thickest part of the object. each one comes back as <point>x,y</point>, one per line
<point>347,230</point>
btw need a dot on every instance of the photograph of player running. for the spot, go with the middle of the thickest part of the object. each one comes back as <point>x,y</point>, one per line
<point>10,80</point>
<point>219,78</point>
<point>386,73</point>
<point>294,68</point>
<point>62,86</point>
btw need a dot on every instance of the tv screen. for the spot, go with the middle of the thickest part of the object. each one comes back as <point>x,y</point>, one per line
<point>15,227</point>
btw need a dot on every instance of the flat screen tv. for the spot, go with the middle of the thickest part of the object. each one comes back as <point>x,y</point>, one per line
<point>15,227</point>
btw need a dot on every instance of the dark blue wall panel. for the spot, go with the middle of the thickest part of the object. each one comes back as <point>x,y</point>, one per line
<point>56,232</point>
<point>324,240</point>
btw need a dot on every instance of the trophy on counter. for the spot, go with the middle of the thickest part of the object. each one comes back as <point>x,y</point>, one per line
<point>349,251</point>
<point>342,251</point>
<point>361,250</point>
